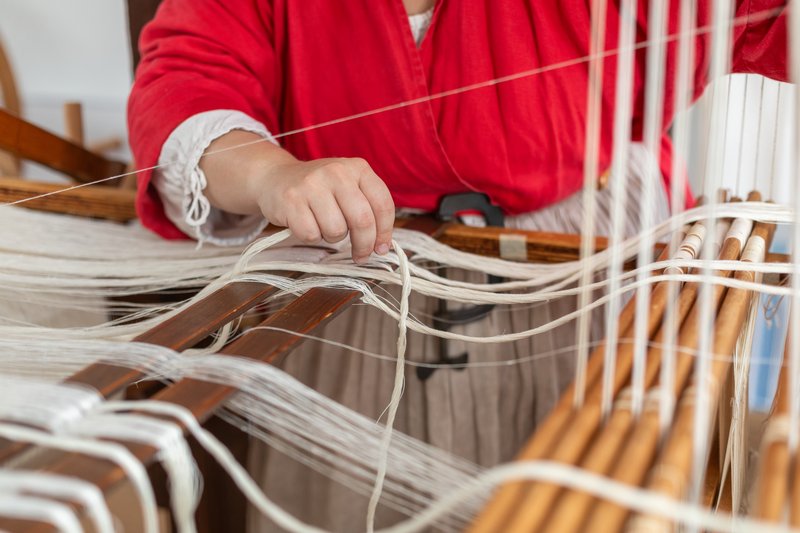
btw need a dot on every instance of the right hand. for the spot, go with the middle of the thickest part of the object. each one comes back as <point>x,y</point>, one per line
<point>327,199</point>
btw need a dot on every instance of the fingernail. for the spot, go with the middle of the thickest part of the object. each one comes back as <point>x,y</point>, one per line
<point>382,249</point>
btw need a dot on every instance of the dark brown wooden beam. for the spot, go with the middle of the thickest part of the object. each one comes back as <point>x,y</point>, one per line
<point>95,202</point>
<point>31,142</point>
<point>304,315</point>
<point>540,246</point>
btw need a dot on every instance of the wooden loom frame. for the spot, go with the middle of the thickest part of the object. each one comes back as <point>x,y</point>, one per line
<point>185,330</point>
<point>303,315</point>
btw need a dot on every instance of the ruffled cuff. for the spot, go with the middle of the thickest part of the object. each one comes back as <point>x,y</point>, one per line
<point>181,183</point>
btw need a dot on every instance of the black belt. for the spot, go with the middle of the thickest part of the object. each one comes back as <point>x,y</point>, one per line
<point>444,319</point>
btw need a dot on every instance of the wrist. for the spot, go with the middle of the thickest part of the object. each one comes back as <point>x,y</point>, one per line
<point>266,178</point>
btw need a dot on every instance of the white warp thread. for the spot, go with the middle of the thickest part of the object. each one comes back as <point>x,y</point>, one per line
<point>55,486</point>
<point>60,515</point>
<point>173,453</point>
<point>397,391</point>
<point>115,453</point>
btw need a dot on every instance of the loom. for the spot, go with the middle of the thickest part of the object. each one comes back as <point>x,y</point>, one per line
<point>648,437</point>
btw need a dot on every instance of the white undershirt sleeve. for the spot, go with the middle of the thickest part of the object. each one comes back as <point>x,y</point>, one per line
<point>181,183</point>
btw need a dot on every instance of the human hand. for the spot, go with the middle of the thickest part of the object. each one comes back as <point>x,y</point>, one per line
<point>327,199</point>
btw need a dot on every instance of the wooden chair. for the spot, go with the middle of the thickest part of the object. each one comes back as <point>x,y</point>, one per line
<point>24,140</point>
<point>9,100</point>
<point>21,140</point>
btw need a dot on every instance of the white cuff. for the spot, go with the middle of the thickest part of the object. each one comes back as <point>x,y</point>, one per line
<point>181,183</point>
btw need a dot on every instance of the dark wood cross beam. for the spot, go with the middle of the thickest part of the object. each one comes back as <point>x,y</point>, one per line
<point>32,142</point>
<point>303,315</point>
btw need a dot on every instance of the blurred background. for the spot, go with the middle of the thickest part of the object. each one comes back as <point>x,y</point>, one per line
<point>63,51</point>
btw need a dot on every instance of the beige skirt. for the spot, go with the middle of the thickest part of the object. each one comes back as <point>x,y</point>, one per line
<point>481,413</point>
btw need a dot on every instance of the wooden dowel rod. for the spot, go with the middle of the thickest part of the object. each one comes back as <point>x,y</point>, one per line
<point>8,84</point>
<point>772,484</point>
<point>794,502</point>
<point>573,509</point>
<point>573,445</point>
<point>495,516</point>
<point>672,473</point>
<point>73,123</point>
<point>773,481</point>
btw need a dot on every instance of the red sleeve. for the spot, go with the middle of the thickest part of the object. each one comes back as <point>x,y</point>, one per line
<point>760,38</point>
<point>759,46</point>
<point>198,55</point>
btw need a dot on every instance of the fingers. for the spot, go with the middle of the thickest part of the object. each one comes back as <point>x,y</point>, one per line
<point>304,225</point>
<point>329,218</point>
<point>380,201</point>
<point>358,214</point>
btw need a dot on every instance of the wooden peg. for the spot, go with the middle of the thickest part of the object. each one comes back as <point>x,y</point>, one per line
<point>73,122</point>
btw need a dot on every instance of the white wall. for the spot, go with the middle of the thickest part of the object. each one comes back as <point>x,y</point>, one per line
<point>64,50</point>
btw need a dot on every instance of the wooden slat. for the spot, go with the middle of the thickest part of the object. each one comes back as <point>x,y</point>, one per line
<point>95,202</point>
<point>541,246</point>
<point>303,315</point>
<point>182,331</point>
<point>31,142</point>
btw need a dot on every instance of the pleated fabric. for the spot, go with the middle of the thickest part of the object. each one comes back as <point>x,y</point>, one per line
<point>483,413</point>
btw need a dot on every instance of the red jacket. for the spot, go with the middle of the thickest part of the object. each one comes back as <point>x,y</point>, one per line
<point>292,64</point>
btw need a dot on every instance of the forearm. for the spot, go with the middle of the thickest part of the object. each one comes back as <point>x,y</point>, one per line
<point>236,166</point>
